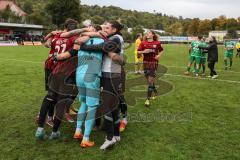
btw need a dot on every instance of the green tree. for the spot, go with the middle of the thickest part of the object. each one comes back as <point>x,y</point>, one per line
<point>36,18</point>
<point>204,27</point>
<point>28,7</point>
<point>175,29</point>
<point>232,27</point>
<point>61,10</point>
<point>97,19</point>
<point>222,22</point>
<point>6,14</point>
<point>193,27</point>
<point>185,25</point>
<point>136,30</point>
<point>214,24</point>
<point>126,35</point>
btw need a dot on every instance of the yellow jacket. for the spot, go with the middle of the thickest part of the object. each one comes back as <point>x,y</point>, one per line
<point>238,45</point>
<point>137,44</point>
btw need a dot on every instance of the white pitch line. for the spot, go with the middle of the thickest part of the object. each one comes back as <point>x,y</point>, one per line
<point>17,60</point>
<point>220,80</point>
<point>216,69</point>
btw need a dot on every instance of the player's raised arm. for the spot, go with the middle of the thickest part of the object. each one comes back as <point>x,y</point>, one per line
<point>48,43</point>
<point>51,34</point>
<point>77,44</point>
<point>75,32</point>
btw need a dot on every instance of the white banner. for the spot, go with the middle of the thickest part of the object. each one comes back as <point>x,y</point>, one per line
<point>8,43</point>
<point>176,39</point>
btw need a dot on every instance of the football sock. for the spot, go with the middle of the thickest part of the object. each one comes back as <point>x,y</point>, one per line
<point>225,62</point>
<point>81,114</point>
<point>89,122</point>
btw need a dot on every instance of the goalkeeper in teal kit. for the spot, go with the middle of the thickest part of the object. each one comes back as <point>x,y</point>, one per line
<point>88,76</point>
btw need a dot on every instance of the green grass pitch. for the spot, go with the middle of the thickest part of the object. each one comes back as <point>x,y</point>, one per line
<point>198,119</point>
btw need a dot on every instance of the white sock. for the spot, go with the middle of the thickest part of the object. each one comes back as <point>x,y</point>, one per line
<point>40,129</point>
<point>50,118</point>
<point>125,120</point>
<point>86,138</point>
<point>79,130</point>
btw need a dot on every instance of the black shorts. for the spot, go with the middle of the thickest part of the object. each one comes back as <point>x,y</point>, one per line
<point>65,86</point>
<point>150,72</point>
<point>123,81</point>
<point>109,96</point>
<point>47,74</point>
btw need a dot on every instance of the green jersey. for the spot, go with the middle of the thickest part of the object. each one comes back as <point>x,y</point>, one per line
<point>203,55</point>
<point>195,49</point>
<point>229,46</point>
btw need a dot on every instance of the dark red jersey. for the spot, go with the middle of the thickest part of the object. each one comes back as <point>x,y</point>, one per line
<point>49,63</point>
<point>62,45</point>
<point>149,60</point>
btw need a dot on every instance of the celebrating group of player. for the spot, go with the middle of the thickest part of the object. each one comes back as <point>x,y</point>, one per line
<point>202,50</point>
<point>197,57</point>
<point>88,63</point>
<point>83,58</point>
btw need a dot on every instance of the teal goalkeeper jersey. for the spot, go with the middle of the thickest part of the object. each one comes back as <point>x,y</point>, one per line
<point>90,63</point>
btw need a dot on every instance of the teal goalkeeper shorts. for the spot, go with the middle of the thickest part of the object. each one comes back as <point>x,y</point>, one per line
<point>89,89</point>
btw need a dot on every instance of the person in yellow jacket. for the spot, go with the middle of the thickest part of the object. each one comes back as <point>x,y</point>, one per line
<point>238,48</point>
<point>138,59</point>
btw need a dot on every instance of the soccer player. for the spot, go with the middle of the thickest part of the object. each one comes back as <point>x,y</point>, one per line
<point>151,50</point>
<point>203,57</point>
<point>138,58</point>
<point>88,82</point>
<point>228,54</point>
<point>195,56</point>
<point>111,78</point>
<point>238,48</point>
<point>49,66</point>
<point>53,96</point>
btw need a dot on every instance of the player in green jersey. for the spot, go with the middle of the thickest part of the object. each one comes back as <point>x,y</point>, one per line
<point>195,56</point>
<point>228,54</point>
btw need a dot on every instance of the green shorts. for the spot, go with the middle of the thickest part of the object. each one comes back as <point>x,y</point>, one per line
<point>228,55</point>
<point>203,60</point>
<point>192,59</point>
<point>198,60</point>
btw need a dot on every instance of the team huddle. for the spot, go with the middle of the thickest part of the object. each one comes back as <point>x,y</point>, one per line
<point>88,63</point>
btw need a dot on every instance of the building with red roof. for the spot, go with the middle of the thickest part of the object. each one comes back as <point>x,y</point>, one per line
<point>12,6</point>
